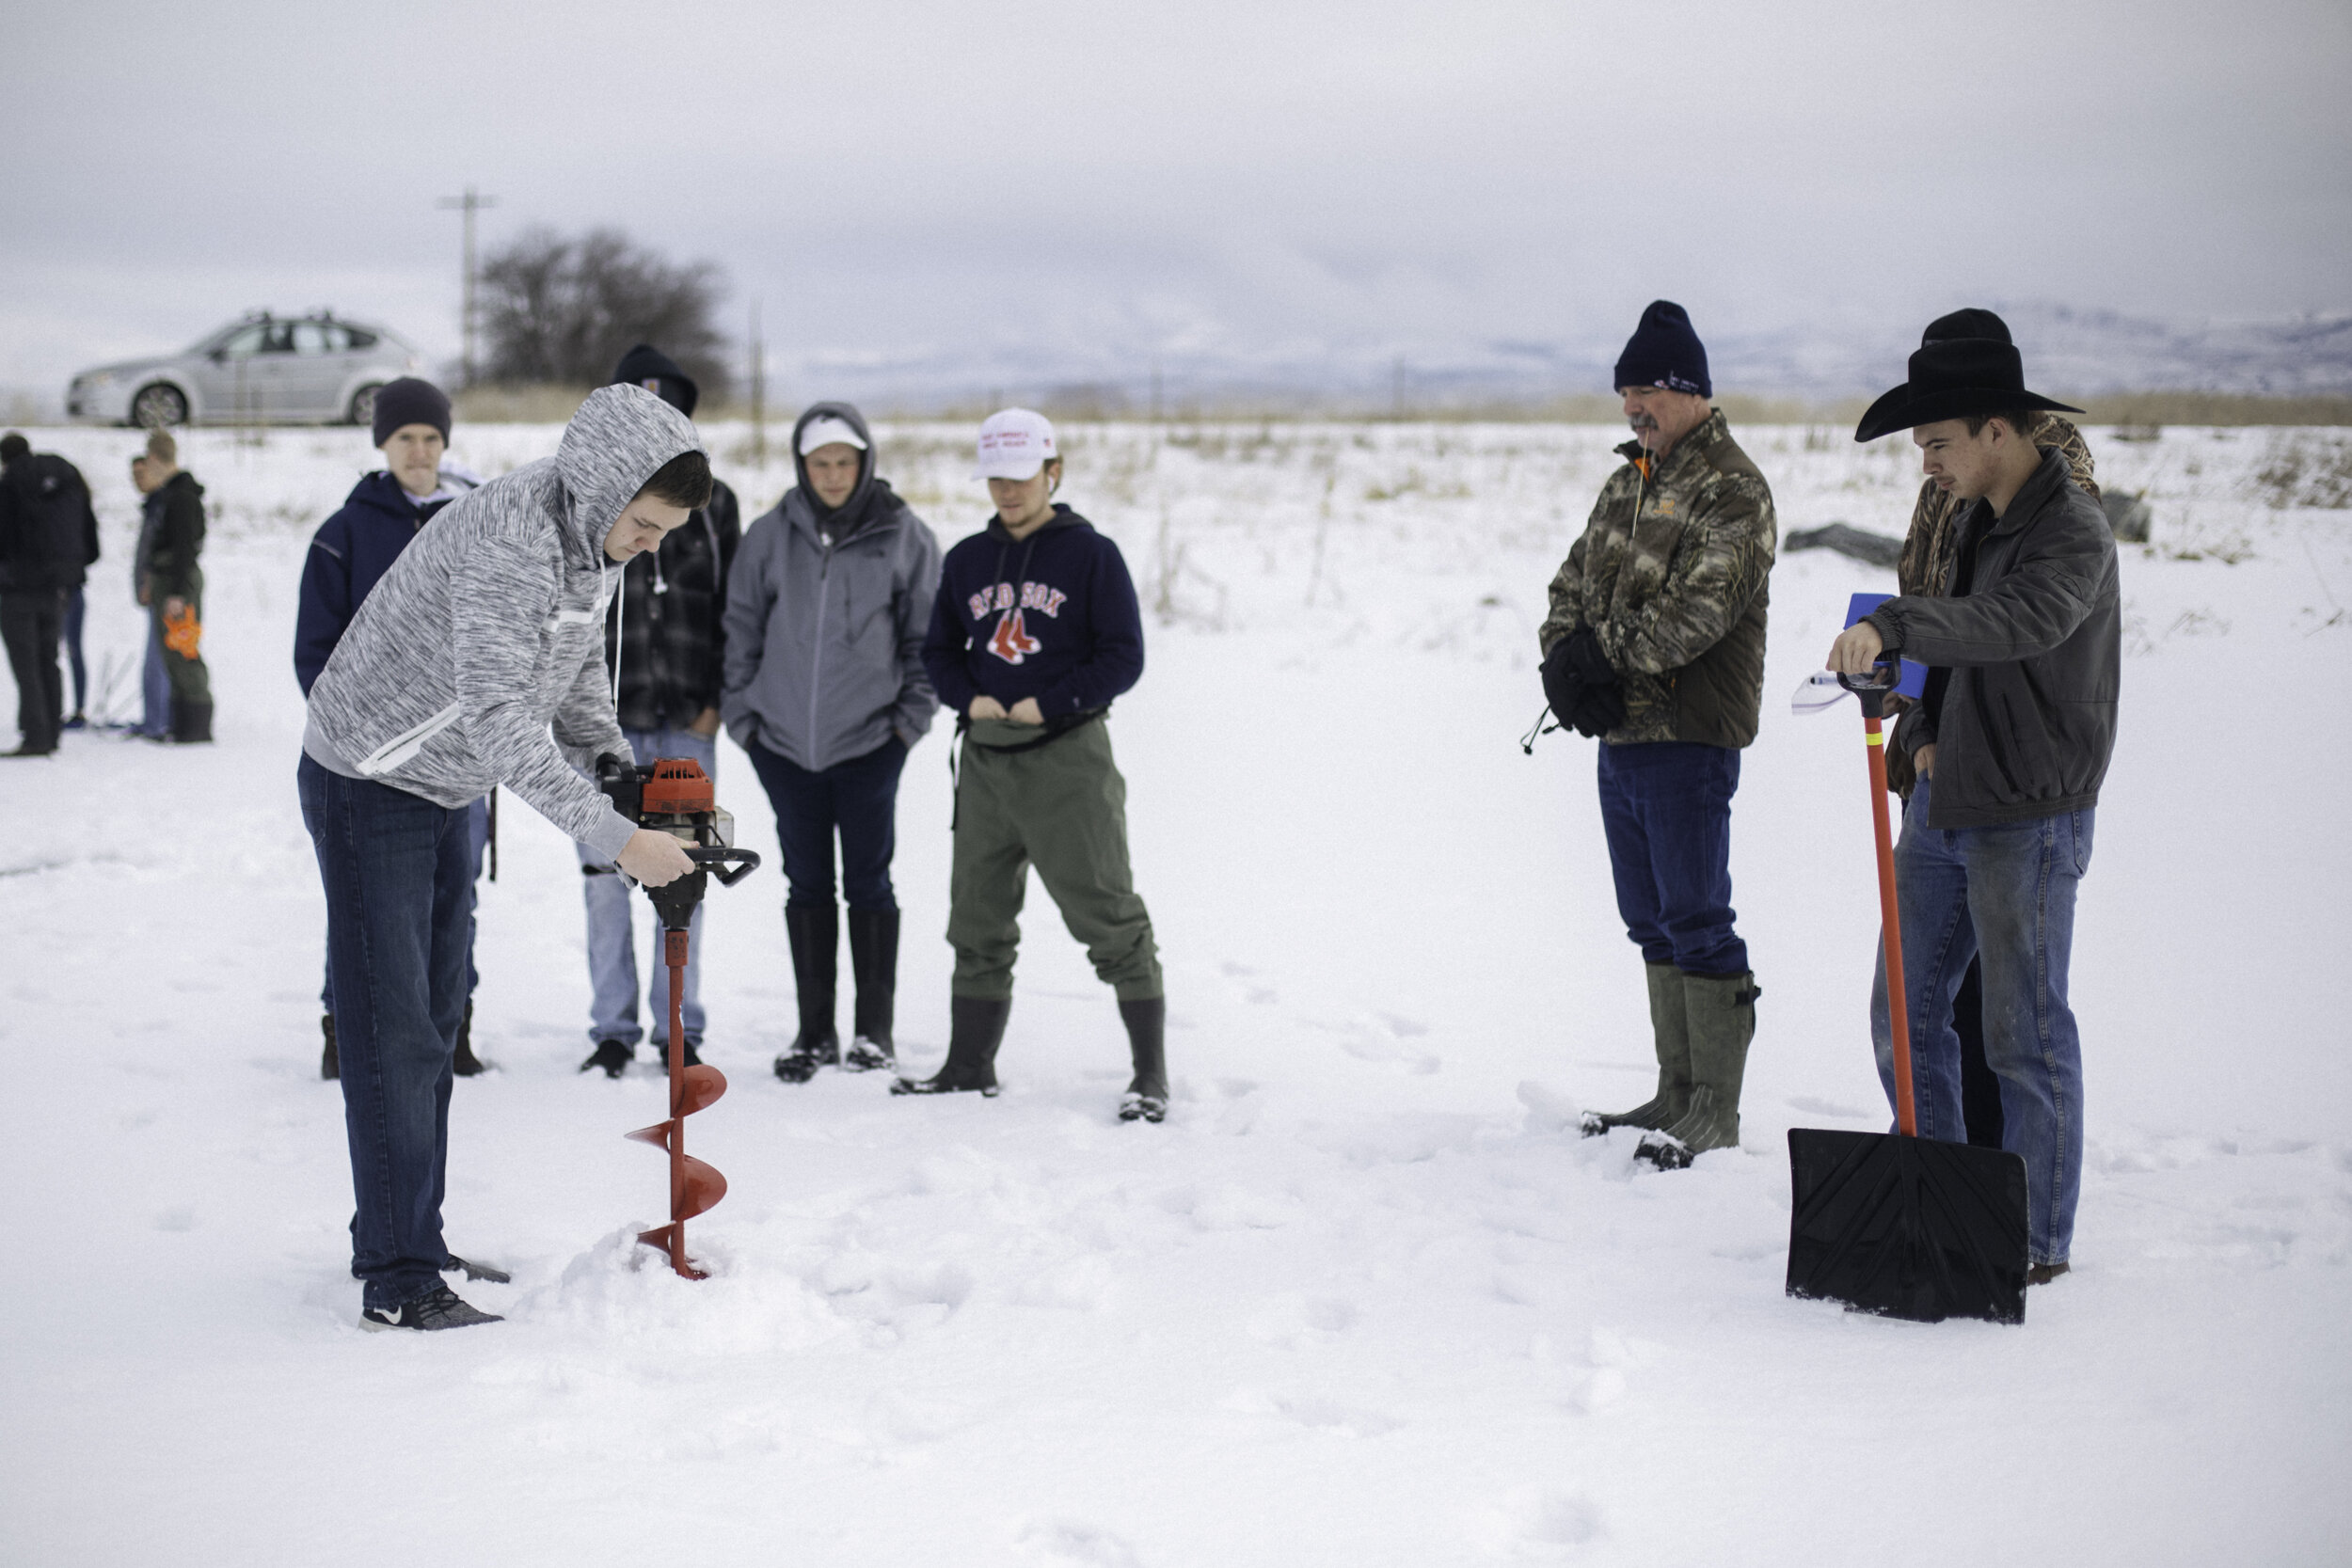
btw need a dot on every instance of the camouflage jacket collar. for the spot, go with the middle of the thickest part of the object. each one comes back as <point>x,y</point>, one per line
<point>1703,437</point>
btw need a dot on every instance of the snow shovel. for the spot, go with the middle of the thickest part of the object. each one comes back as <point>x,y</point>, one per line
<point>1893,1223</point>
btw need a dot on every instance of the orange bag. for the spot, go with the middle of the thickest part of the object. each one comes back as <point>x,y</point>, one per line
<point>182,632</point>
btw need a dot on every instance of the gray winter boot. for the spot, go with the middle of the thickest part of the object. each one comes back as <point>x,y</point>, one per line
<point>1722,1011</point>
<point>1668,1023</point>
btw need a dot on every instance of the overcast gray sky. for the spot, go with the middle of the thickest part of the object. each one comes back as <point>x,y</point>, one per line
<point>1066,186</point>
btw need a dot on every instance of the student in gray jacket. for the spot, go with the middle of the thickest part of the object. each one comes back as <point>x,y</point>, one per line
<point>827,605</point>
<point>475,662</point>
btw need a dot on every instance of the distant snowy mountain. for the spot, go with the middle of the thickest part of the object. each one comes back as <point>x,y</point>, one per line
<point>2067,350</point>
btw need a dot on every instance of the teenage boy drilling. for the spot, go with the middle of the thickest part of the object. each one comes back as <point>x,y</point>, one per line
<point>348,556</point>
<point>2010,744</point>
<point>477,660</point>
<point>1034,632</point>
<point>1654,643</point>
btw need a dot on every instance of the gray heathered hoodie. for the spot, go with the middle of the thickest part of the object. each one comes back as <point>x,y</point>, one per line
<point>826,617</point>
<point>488,628</point>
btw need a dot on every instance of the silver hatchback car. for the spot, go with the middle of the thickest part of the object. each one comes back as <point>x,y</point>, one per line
<point>264,368</point>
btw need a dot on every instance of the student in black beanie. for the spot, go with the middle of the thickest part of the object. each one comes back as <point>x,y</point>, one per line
<point>1654,644</point>
<point>668,634</point>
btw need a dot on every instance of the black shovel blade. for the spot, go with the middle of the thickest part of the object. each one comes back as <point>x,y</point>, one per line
<point>1907,1227</point>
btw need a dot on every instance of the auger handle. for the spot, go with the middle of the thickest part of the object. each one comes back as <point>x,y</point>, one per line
<point>719,857</point>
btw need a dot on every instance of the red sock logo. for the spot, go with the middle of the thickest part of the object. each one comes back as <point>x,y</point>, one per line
<point>1011,641</point>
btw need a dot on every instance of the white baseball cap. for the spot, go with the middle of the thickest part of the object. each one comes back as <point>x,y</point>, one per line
<point>1015,443</point>
<point>824,430</point>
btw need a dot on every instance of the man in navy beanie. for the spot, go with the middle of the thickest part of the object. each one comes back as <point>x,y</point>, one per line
<point>348,556</point>
<point>1654,644</point>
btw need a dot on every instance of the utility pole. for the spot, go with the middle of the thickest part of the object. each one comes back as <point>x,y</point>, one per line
<point>469,204</point>
<point>759,393</point>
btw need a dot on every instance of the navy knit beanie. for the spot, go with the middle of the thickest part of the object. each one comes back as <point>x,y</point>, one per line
<point>1664,352</point>
<point>407,402</point>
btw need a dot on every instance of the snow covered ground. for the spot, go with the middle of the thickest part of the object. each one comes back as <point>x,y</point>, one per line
<point>1366,1298</point>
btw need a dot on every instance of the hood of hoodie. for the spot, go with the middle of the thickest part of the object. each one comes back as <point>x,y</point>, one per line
<point>851,515</point>
<point>645,363</point>
<point>620,438</point>
<point>182,479</point>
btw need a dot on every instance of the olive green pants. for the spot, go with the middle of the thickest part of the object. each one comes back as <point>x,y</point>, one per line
<point>1061,807</point>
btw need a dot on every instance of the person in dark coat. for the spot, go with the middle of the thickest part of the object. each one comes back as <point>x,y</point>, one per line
<point>349,554</point>
<point>174,589</point>
<point>48,538</point>
<point>2010,743</point>
<point>668,638</point>
<point>1928,547</point>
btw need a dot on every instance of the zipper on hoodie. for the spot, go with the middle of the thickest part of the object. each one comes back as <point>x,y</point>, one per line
<point>817,660</point>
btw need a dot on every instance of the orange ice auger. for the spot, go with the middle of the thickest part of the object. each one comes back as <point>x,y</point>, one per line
<point>675,796</point>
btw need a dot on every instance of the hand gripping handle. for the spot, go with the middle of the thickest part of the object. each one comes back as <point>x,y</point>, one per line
<point>719,857</point>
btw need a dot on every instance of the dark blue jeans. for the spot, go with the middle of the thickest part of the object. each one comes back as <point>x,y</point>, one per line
<point>477,834</point>
<point>1666,806</point>
<point>859,800</point>
<point>76,610</point>
<point>396,869</point>
<point>2005,895</point>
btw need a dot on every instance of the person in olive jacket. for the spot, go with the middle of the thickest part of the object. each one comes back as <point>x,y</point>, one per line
<point>2010,744</point>
<point>826,691</point>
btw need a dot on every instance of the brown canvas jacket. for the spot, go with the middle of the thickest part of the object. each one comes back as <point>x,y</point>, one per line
<point>1671,574</point>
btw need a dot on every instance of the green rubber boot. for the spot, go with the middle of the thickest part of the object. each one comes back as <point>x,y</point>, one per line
<point>1669,1023</point>
<point>1721,1013</point>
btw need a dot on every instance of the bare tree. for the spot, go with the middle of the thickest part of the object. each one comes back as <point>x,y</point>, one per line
<point>564,310</point>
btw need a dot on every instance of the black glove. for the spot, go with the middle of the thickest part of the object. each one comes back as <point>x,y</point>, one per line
<point>1562,689</point>
<point>1600,706</point>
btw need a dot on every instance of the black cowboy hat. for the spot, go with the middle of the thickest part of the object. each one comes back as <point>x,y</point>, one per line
<point>1954,377</point>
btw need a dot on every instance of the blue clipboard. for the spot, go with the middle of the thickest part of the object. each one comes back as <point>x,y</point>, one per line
<point>1915,681</point>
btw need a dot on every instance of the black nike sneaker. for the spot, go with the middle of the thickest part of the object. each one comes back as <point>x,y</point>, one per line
<point>437,1309</point>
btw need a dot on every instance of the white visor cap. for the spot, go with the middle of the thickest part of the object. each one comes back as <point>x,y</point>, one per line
<point>1015,443</point>
<point>825,430</point>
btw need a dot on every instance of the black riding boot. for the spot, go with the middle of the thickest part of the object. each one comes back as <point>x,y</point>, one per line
<point>976,1028</point>
<point>874,970</point>
<point>465,1063</point>
<point>1147,1041</point>
<point>816,933</point>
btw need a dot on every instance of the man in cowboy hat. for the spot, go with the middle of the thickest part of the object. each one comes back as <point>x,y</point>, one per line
<point>2010,744</point>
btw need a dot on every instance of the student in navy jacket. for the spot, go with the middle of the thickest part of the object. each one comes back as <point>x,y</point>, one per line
<point>1034,631</point>
<point>349,555</point>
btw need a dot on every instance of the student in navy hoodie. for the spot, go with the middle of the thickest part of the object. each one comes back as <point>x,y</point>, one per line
<point>351,551</point>
<point>1034,631</point>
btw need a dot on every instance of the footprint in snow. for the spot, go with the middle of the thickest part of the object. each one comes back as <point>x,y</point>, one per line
<point>1073,1540</point>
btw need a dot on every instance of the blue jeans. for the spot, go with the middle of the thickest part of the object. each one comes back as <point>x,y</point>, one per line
<point>395,867</point>
<point>1666,807</point>
<point>611,934</point>
<point>478,836</point>
<point>857,799</point>
<point>2005,895</point>
<point>154,687</point>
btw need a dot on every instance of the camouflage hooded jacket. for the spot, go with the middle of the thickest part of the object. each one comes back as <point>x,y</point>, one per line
<point>1670,574</point>
<point>1932,546</point>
